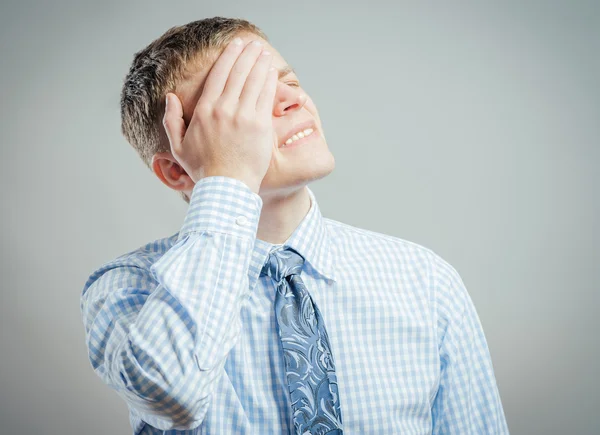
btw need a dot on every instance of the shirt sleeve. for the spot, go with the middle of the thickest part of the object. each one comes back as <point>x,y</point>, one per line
<point>467,401</point>
<point>158,332</point>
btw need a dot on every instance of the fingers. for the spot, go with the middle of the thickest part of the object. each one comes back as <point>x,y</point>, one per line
<point>255,82</point>
<point>216,79</point>
<point>264,104</point>
<point>240,71</point>
<point>173,121</point>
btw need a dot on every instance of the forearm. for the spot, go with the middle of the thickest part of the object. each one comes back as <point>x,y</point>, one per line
<point>159,334</point>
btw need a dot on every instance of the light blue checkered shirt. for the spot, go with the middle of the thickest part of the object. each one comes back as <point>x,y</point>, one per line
<point>184,328</point>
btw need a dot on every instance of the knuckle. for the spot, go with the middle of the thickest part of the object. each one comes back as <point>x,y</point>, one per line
<point>201,110</point>
<point>261,123</point>
<point>244,119</point>
<point>222,111</point>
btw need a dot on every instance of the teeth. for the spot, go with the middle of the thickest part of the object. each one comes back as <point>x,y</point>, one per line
<point>297,136</point>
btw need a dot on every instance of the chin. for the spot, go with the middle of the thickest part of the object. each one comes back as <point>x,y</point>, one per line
<point>301,173</point>
<point>315,167</point>
<point>325,168</point>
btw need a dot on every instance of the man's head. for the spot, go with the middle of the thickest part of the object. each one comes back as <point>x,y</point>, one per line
<point>179,62</point>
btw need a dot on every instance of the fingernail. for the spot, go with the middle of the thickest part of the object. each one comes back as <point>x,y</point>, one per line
<point>166,100</point>
<point>237,41</point>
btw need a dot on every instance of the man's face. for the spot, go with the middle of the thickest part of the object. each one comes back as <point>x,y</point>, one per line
<point>292,166</point>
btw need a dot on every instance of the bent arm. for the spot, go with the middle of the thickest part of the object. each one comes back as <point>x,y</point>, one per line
<point>159,333</point>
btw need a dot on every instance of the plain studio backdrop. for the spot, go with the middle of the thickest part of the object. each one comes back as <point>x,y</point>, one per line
<point>470,129</point>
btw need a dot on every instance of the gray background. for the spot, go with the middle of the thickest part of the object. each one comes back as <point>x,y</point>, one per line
<point>470,129</point>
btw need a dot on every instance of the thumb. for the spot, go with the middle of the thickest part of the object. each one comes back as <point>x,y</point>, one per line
<point>173,121</point>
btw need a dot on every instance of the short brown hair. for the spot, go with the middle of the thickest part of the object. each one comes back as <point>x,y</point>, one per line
<point>158,69</point>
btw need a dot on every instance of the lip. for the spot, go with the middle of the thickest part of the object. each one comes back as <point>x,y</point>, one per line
<point>300,127</point>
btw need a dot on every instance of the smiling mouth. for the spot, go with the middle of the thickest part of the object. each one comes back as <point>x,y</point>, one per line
<point>313,134</point>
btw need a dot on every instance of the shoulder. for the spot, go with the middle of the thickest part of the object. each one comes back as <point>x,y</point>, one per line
<point>446,288</point>
<point>367,240</point>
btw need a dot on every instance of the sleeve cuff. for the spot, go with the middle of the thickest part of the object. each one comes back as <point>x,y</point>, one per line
<point>222,204</point>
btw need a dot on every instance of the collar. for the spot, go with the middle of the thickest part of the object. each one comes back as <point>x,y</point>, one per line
<point>310,238</point>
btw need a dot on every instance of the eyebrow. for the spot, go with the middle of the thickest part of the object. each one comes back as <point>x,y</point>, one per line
<point>285,71</point>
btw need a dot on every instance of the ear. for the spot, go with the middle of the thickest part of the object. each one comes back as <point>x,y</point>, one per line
<point>170,172</point>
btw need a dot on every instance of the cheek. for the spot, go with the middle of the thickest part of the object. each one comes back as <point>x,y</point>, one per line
<point>310,106</point>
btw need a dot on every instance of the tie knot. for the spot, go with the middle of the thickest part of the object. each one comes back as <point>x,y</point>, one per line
<point>282,263</point>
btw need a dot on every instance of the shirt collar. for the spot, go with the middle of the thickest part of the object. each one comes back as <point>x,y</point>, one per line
<point>310,238</point>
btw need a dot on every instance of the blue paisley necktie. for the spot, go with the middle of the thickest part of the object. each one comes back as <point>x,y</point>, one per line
<point>309,364</point>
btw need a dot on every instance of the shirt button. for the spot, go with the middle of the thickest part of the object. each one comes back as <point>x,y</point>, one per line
<point>241,220</point>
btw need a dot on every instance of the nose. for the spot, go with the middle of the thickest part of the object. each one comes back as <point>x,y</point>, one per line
<point>288,99</point>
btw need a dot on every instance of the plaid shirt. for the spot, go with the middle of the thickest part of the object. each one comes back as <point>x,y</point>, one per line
<point>183,328</point>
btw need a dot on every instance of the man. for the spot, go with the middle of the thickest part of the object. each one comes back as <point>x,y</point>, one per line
<point>261,316</point>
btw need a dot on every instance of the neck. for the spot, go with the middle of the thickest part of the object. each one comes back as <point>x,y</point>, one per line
<point>282,214</point>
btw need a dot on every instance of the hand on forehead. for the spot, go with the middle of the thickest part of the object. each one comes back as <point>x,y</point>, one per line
<point>190,89</point>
